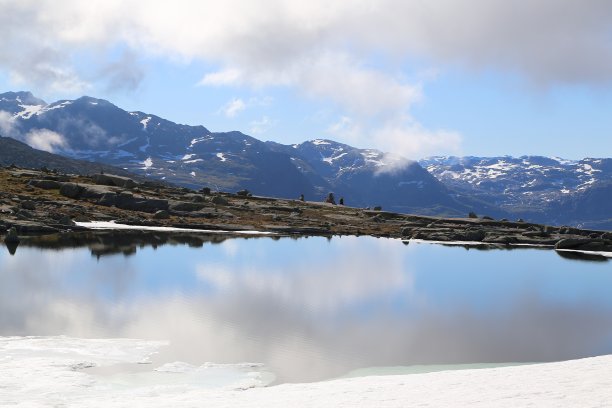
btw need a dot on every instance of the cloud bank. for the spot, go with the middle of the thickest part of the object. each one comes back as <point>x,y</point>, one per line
<point>327,50</point>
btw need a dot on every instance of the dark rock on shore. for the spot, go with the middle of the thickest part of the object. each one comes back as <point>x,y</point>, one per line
<point>585,244</point>
<point>11,236</point>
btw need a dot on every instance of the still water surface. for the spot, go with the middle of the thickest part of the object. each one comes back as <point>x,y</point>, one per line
<point>312,308</point>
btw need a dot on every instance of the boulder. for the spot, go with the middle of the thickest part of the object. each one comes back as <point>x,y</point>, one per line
<point>71,190</point>
<point>219,200</point>
<point>28,205</point>
<point>161,215</point>
<point>11,236</point>
<point>95,192</point>
<point>45,184</point>
<point>532,234</point>
<point>196,198</point>
<point>112,180</point>
<point>66,220</point>
<point>185,206</point>
<point>108,199</point>
<point>127,201</point>
<point>474,235</point>
<point>244,193</point>
<point>585,244</point>
<point>494,238</point>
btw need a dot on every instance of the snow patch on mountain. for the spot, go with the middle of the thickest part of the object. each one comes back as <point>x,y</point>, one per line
<point>28,111</point>
<point>145,122</point>
<point>319,142</point>
<point>525,180</point>
<point>197,140</point>
<point>57,105</point>
<point>147,164</point>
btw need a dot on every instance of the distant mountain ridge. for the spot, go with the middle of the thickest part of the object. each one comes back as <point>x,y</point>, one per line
<point>543,189</point>
<point>548,190</point>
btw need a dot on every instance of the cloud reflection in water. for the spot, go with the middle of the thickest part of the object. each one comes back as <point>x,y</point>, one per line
<point>312,309</point>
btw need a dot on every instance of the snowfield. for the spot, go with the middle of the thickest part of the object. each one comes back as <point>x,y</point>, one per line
<point>55,372</point>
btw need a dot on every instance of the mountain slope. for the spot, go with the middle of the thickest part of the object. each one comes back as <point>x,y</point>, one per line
<point>96,130</point>
<point>365,176</point>
<point>20,154</point>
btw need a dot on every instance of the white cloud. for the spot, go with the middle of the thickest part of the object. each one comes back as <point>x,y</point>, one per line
<point>7,124</point>
<point>223,77</point>
<point>545,40</point>
<point>45,139</point>
<point>42,139</point>
<point>261,126</point>
<point>323,48</point>
<point>233,107</point>
<point>412,140</point>
<point>399,135</point>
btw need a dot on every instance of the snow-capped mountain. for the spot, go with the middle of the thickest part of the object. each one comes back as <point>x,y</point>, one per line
<point>370,176</point>
<point>546,189</point>
<point>542,189</point>
<point>96,130</point>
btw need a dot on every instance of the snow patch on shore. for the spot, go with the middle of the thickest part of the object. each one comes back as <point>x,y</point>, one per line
<point>111,225</point>
<point>52,372</point>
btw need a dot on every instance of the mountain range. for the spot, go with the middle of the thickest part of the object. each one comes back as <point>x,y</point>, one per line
<point>541,189</point>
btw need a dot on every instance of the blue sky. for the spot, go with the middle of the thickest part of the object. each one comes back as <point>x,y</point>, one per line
<point>464,77</point>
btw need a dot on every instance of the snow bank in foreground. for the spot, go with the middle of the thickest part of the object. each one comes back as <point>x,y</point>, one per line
<point>48,372</point>
<point>111,225</point>
<point>53,371</point>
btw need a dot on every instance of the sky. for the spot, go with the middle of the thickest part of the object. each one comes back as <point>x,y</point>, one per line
<point>413,77</point>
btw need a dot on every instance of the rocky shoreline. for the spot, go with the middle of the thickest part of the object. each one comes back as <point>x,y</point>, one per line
<point>36,205</point>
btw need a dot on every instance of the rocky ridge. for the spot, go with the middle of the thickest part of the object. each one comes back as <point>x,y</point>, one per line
<point>37,204</point>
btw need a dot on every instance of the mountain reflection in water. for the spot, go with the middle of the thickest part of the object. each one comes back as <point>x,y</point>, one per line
<point>309,308</point>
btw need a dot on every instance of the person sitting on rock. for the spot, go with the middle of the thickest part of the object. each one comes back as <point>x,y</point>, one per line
<point>330,199</point>
<point>341,201</point>
<point>301,197</point>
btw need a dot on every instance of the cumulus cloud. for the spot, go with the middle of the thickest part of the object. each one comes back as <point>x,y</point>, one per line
<point>233,107</point>
<point>546,40</point>
<point>399,135</point>
<point>261,126</point>
<point>126,73</point>
<point>324,49</point>
<point>7,124</point>
<point>237,105</point>
<point>45,139</point>
<point>42,139</point>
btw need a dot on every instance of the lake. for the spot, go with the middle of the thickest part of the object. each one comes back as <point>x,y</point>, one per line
<point>314,308</point>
